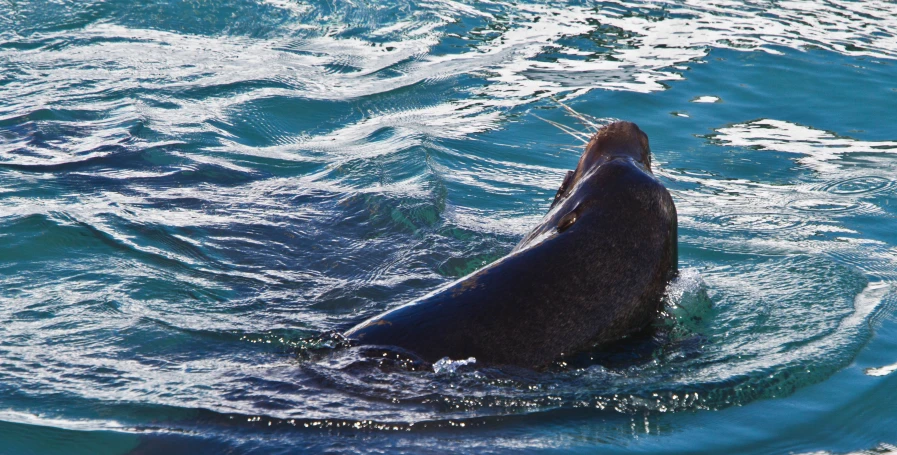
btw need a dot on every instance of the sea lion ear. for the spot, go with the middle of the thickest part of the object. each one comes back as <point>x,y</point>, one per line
<point>563,189</point>
<point>646,149</point>
<point>566,221</point>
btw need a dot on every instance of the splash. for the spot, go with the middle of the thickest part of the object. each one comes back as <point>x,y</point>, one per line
<point>446,365</point>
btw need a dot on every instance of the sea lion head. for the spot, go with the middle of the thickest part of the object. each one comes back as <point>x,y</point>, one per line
<point>618,140</point>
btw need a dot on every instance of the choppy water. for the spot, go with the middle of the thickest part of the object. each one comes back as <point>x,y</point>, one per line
<point>188,189</point>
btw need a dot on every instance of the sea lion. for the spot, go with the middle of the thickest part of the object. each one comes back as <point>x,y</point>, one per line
<point>593,271</point>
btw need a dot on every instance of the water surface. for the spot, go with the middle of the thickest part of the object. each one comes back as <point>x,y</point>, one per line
<point>188,190</point>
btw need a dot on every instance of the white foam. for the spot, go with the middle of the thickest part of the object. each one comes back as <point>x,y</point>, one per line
<point>821,150</point>
<point>706,99</point>
<point>447,365</point>
<point>866,302</point>
<point>881,371</point>
<point>881,449</point>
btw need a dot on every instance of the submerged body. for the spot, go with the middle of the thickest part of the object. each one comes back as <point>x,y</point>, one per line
<point>593,271</point>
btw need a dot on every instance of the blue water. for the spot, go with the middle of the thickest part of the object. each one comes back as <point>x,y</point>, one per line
<point>191,190</point>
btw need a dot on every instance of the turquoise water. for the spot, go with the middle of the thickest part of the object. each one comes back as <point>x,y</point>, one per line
<point>190,189</point>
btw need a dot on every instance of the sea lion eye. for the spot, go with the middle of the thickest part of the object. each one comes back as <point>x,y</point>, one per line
<point>566,221</point>
<point>565,185</point>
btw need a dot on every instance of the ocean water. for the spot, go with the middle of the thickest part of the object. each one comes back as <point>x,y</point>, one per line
<point>194,193</point>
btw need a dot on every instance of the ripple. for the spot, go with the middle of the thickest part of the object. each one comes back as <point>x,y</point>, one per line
<point>860,185</point>
<point>823,205</point>
<point>758,222</point>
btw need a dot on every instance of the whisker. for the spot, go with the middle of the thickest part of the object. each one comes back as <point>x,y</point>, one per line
<point>572,132</point>
<point>581,117</point>
<point>564,148</point>
<point>559,144</point>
